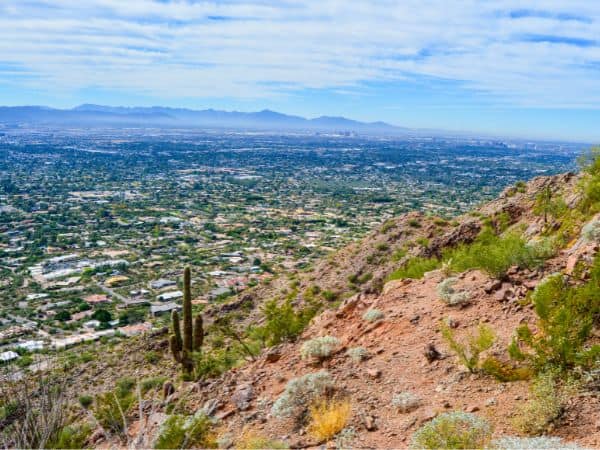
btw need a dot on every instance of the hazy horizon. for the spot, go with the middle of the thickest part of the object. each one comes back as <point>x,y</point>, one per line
<point>495,68</point>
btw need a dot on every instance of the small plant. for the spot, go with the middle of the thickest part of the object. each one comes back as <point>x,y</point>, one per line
<point>72,436</point>
<point>449,295</point>
<point>85,401</point>
<point>357,354</point>
<point>415,268</point>
<point>532,443</point>
<point>405,402</point>
<point>152,357</point>
<point>179,431</point>
<point>454,430</point>
<point>565,321</point>
<point>300,392</point>
<point>469,353</point>
<point>110,410</point>
<point>344,438</point>
<point>503,371</point>
<point>249,441</point>
<point>328,418</point>
<point>373,315</point>
<point>148,384</point>
<point>591,230</point>
<point>319,348</point>
<point>545,405</point>
<point>414,223</point>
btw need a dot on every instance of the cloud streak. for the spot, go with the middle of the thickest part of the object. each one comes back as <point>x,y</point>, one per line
<point>545,56</point>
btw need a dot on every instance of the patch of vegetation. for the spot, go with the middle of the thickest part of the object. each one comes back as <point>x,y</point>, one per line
<point>503,371</point>
<point>468,353</point>
<point>300,392</point>
<point>454,430</point>
<point>451,296</point>
<point>319,348</point>
<point>72,436</point>
<point>566,317</point>
<point>545,406</point>
<point>283,322</point>
<point>406,402</point>
<point>373,315</point>
<point>415,268</point>
<point>533,443</point>
<point>357,354</point>
<point>179,431</point>
<point>328,418</point>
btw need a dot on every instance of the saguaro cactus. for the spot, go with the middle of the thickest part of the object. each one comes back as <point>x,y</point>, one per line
<point>193,331</point>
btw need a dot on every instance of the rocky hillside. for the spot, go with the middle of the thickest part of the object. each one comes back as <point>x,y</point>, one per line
<point>494,315</point>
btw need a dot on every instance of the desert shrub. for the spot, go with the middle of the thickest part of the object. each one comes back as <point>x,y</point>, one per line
<point>382,247</point>
<point>415,268</point>
<point>283,322</point>
<point>180,431</point>
<point>33,411</point>
<point>533,443</point>
<point>454,430</point>
<point>449,295</point>
<point>86,400</point>
<point>300,392</point>
<point>148,384</point>
<point>493,254</point>
<point>468,353</point>
<point>357,354</point>
<point>329,296</point>
<point>545,404</point>
<point>152,357</point>
<point>373,315</point>
<point>344,438</point>
<point>319,348</point>
<point>405,402</point>
<point>521,186</point>
<point>124,386</point>
<point>503,371</point>
<point>591,231</point>
<point>214,363</point>
<point>258,442</point>
<point>565,320</point>
<point>111,408</point>
<point>414,223</point>
<point>72,436</point>
<point>328,418</point>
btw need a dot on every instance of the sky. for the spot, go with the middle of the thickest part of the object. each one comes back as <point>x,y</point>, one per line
<point>505,67</point>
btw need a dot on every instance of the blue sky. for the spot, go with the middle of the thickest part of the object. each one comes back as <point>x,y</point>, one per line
<point>484,66</point>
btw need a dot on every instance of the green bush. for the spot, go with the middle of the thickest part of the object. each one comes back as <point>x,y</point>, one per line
<point>148,384</point>
<point>73,436</point>
<point>86,400</point>
<point>180,431</point>
<point>469,353</point>
<point>415,268</point>
<point>110,410</point>
<point>283,322</point>
<point>545,404</point>
<point>493,254</point>
<point>453,430</point>
<point>565,320</point>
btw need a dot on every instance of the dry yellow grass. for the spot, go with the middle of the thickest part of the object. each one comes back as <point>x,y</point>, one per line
<point>328,418</point>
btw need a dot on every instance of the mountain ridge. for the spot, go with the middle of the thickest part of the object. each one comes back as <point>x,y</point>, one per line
<point>93,115</point>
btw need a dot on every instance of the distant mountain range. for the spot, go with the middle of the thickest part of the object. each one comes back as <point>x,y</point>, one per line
<point>107,116</point>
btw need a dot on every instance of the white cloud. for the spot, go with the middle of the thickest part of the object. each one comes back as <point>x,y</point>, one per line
<point>541,56</point>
